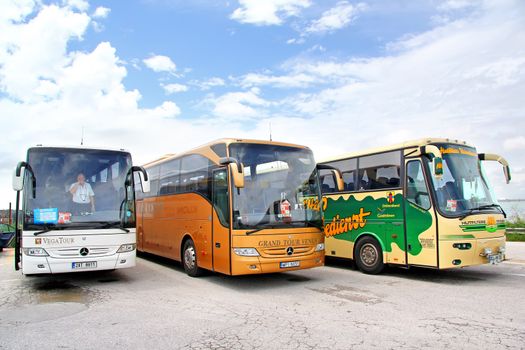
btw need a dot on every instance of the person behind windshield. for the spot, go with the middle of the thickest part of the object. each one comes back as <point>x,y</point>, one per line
<point>83,196</point>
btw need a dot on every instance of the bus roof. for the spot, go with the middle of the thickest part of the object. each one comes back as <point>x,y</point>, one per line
<point>81,148</point>
<point>402,145</point>
<point>205,149</point>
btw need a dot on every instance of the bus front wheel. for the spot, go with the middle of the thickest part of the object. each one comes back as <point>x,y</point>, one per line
<point>189,259</point>
<point>369,256</point>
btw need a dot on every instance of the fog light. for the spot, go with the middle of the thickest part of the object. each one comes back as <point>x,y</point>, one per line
<point>123,261</point>
<point>501,250</point>
<point>252,267</point>
<point>486,252</point>
<point>35,252</point>
<point>456,262</point>
<point>246,251</point>
<point>319,247</point>
<point>41,266</point>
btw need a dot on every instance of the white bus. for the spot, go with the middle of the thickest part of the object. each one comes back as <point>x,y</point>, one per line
<point>78,210</point>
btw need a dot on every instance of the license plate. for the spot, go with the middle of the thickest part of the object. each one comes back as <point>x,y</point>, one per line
<point>289,264</point>
<point>84,265</point>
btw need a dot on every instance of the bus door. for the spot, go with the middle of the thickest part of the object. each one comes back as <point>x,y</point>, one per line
<point>420,217</point>
<point>221,221</point>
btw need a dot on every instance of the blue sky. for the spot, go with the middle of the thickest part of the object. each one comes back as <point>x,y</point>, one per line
<point>162,76</point>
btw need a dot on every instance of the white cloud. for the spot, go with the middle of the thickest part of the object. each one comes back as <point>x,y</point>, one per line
<point>208,84</point>
<point>336,18</point>
<point>81,5</point>
<point>515,144</point>
<point>101,12</point>
<point>160,63</point>
<point>168,109</point>
<point>299,80</point>
<point>268,12</point>
<point>174,88</point>
<point>36,51</point>
<point>238,105</point>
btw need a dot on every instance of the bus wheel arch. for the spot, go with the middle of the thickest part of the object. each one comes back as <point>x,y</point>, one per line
<point>188,257</point>
<point>368,254</point>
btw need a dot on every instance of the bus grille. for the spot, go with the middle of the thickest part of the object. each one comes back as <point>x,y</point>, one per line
<point>280,252</point>
<point>75,252</point>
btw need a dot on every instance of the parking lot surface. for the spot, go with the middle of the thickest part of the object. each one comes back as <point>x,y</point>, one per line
<point>155,305</point>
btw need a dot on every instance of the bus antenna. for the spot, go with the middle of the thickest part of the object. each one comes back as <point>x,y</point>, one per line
<point>82,137</point>
<point>270,131</point>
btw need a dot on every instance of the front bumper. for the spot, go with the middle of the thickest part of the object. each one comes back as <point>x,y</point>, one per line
<point>46,264</point>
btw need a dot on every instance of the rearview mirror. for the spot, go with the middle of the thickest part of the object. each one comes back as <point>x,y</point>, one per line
<point>437,158</point>
<point>236,170</point>
<point>144,178</point>
<point>338,176</point>
<point>18,180</point>
<point>499,159</point>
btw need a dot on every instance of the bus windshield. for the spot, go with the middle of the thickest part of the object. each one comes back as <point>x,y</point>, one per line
<point>278,181</point>
<point>78,188</point>
<point>463,186</point>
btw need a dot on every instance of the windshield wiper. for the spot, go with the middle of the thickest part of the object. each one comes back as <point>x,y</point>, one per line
<point>480,208</point>
<point>47,228</point>
<point>262,227</point>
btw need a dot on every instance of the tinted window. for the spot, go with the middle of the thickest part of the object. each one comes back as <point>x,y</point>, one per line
<point>169,177</point>
<point>327,181</point>
<point>194,174</point>
<point>153,174</point>
<point>220,196</point>
<point>348,169</point>
<point>219,149</point>
<point>417,191</point>
<point>379,171</point>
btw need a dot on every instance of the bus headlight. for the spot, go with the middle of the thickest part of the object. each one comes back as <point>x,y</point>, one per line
<point>319,247</point>
<point>246,251</point>
<point>35,252</point>
<point>126,248</point>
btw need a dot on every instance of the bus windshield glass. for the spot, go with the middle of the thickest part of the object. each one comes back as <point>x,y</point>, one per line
<point>278,182</point>
<point>78,188</point>
<point>463,186</point>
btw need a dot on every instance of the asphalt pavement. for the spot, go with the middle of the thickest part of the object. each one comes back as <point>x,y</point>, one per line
<point>155,305</point>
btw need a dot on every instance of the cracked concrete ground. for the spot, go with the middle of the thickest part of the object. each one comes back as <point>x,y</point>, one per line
<point>155,305</point>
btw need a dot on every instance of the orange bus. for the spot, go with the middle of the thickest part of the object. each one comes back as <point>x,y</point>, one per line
<point>235,207</point>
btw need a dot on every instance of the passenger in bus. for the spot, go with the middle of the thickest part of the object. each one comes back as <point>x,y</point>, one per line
<point>83,196</point>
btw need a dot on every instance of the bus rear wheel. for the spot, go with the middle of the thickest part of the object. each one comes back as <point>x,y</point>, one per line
<point>189,259</point>
<point>369,256</point>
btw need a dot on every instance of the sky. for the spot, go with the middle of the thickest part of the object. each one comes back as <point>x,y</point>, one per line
<point>164,76</point>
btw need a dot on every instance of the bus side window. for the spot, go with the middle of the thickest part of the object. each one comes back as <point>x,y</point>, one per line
<point>327,181</point>
<point>348,168</point>
<point>416,190</point>
<point>380,171</point>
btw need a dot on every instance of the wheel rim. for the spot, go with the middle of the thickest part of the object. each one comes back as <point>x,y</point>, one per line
<point>189,257</point>
<point>369,254</point>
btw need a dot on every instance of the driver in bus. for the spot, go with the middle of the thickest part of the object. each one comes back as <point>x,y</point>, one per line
<point>82,195</point>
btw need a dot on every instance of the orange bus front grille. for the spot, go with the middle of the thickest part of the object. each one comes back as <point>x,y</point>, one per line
<point>282,252</point>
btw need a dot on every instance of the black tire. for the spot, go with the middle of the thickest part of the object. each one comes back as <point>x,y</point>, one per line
<point>189,259</point>
<point>368,256</point>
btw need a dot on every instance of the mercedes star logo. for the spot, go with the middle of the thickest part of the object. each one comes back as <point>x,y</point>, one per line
<point>84,251</point>
<point>289,251</point>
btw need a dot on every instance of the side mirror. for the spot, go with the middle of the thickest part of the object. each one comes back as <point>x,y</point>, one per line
<point>436,157</point>
<point>18,180</point>
<point>19,175</point>
<point>143,176</point>
<point>338,176</point>
<point>499,159</point>
<point>236,170</point>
